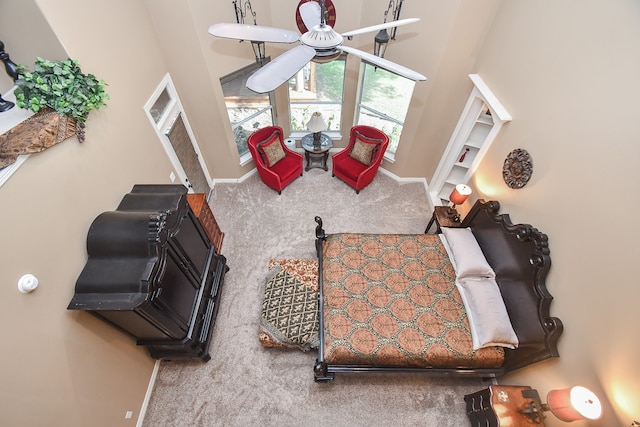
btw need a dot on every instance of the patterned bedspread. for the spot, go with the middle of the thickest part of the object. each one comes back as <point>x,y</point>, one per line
<point>391,300</point>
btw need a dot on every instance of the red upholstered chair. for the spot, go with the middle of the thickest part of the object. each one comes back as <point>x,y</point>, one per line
<point>358,163</point>
<point>277,165</point>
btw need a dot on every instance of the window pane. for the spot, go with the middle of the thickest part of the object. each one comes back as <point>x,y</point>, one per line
<point>244,127</point>
<point>317,87</point>
<point>247,110</point>
<point>384,102</point>
<point>160,106</point>
<point>391,128</point>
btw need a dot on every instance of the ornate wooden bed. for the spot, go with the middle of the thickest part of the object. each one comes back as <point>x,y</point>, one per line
<point>519,255</point>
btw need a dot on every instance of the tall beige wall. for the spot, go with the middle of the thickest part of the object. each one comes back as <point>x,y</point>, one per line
<point>61,367</point>
<point>15,16</point>
<point>181,31</point>
<point>568,73</point>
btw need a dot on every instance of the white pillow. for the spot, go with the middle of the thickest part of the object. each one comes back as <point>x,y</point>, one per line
<point>487,314</point>
<point>466,256</point>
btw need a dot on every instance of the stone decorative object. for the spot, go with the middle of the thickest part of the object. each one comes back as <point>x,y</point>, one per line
<point>517,168</point>
<point>44,129</point>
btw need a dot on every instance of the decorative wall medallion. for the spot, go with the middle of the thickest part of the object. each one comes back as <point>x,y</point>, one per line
<point>329,15</point>
<point>517,168</point>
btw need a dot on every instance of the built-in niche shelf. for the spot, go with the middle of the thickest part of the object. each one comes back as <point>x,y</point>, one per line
<point>479,123</point>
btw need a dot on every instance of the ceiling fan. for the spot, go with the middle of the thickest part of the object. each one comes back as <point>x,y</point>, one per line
<point>320,40</point>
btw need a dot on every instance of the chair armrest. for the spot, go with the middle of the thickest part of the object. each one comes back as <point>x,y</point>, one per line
<point>290,152</point>
<point>368,174</point>
<point>340,154</point>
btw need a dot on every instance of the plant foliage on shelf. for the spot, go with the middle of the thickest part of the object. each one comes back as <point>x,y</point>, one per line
<point>62,86</point>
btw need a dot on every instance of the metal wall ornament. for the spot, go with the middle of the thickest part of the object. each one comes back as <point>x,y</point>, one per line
<point>242,11</point>
<point>517,168</point>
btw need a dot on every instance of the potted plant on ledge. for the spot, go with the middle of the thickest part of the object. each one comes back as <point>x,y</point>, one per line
<point>61,86</point>
<point>61,96</point>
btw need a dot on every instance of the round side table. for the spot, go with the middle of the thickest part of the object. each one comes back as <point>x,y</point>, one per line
<point>316,155</point>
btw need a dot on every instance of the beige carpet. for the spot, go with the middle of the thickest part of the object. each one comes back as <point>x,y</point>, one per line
<point>245,384</point>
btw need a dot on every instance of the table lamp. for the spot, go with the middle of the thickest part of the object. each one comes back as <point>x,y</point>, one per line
<point>316,125</point>
<point>574,403</point>
<point>568,404</point>
<point>459,194</point>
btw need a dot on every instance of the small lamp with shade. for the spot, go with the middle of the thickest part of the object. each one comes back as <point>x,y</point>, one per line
<point>458,196</point>
<point>568,404</point>
<point>316,125</point>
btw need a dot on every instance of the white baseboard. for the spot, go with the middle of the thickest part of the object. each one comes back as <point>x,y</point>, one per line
<point>147,396</point>
<point>235,180</point>
<point>401,180</point>
<point>382,170</point>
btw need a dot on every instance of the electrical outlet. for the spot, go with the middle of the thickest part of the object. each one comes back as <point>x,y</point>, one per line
<point>128,415</point>
<point>172,177</point>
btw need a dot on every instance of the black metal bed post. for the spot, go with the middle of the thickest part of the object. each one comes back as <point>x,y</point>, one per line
<point>12,70</point>
<point>320,373</point>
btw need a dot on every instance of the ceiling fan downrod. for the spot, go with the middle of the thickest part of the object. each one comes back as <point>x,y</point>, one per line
<point>322,13</point>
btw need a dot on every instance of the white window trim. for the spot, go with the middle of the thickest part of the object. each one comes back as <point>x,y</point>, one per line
<point>334,134</point>
<point>172,111</point>
<point>388,156</point>
<point>245,158</point>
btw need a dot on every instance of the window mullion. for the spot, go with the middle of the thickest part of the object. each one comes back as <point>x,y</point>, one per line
<point>382,115</point>
<point>251,117</point>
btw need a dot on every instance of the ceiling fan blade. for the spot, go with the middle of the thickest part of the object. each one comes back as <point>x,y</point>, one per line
<point>384,63</point>
<point>310,12</point>
<point>379,27</point>
<point>254,33</point>
<point>281,69</point>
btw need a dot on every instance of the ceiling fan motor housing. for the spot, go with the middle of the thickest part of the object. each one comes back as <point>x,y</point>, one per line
<point>323,39</point>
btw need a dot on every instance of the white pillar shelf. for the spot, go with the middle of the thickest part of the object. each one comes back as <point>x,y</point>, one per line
<point>479,123</point>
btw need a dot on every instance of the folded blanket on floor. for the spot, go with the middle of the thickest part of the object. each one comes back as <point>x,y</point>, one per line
<point>289,316</point>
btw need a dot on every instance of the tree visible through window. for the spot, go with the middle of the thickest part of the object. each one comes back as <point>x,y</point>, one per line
<point>317,87</point>
<point>247,109</point>
<point>384,102</point>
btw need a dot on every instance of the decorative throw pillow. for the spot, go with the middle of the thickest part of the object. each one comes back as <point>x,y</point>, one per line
<point>365,148</point>
<point>289,316</point>
<point>488,318</point>
<point>466,255</point>
<point>271,150</point>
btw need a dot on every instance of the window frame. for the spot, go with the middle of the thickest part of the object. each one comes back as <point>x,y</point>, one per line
<point>389,156</point>
<point>333,134</point>
<point>245,72</point>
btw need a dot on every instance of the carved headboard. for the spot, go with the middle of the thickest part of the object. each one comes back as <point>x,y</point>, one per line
<point>519,254</point>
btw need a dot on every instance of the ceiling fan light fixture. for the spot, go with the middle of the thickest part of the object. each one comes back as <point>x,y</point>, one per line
<point>322,37</point>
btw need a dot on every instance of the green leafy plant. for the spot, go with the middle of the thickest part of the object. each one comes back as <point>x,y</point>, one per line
<point>62,86</point>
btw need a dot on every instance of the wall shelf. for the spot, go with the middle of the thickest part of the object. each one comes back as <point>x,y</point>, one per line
<point>479,123</point>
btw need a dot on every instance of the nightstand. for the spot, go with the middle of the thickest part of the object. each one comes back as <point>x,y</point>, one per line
<point>500,406</point>
<point>443,216</point>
